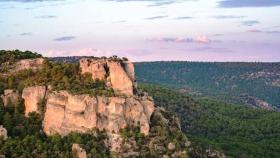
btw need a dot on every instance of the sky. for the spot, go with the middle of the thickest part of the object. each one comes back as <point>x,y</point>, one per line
<point>144,30</point>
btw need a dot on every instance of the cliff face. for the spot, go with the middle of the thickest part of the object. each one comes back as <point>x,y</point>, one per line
<point>118,74</point>
<point>66,113</point>
<point>95,67</point>
<point>33,96</point>
<point>10,96</point>
<point>28,64</point>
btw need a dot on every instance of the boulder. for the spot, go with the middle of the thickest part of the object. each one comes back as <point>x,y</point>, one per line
<point>3,133</point>
<point>33,96</point>
<point>78,151</point>
<point>10,96</point>
<point>171,146</point>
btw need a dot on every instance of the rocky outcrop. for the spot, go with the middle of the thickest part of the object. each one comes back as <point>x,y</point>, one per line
<point>258,103</point>
<point>10,97</point>
<point>3,133</point>
<point>119,78</point>
<point>28,64</point>
<point>95,67</point>
<point>67,113</point>
<point>214,154</point>
<point>118,74</point>
<point>33,96</point>
<point>78,151</point>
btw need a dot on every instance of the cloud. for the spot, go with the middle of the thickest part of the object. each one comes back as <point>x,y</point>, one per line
<point>217,34</point>
<point>46,17</point>
<point>273,32</point>
<point>26,1</point>
<point>184,17</point>
<point>211,49</point>
<point>250,22</point>
<point>260,31</point>
<point>228,17</point>
<point>248,3</point>
<point>198,39</point>
<point>65,38</point>
<point>156,17</point>
<point>154,3</point>
<point>159,3</point>
<point>254,30</point>
<point>25,34</point>
<point>119,21</point>
<point>81,52</point>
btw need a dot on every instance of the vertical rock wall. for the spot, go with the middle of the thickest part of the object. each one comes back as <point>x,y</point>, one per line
<point>10,96</point>
<point>33,96</point>
<point>117,73</point>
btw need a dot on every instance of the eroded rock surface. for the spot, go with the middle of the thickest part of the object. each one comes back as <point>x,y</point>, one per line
<point>95,67</point>
<point>118,74</point>
<point>3,133</point>
<point>28,64</point>
<point>33,96</point>
<point>10,96</point>
<point>78,151</point>
<point>66,113</point>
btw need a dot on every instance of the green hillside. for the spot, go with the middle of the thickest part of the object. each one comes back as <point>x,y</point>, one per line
<point>238,131</point>
<point>236,82</point>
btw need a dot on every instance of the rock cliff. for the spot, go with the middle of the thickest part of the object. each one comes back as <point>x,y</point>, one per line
<point>10,96</point>
<point>29,64</point>
<point>33,96</point>
<point>63,112</point>
<point>118,74</point>
<point>66,113</point>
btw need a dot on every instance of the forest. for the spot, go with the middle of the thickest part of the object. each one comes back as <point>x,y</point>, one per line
<point>231,82</point>
<point>236,130</point>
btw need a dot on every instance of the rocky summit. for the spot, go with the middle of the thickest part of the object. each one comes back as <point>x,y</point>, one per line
<point>64,112</point>
<point>118,74</point>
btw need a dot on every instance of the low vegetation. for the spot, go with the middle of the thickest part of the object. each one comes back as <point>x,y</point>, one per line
<point>58,76</point>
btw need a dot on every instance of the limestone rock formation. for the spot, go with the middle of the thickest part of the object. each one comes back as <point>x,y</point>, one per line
<point>118,74</point>
<point>32,97</point>
<point>78,151</point>
<point>3,133</point>
<point>10,96</point>
<point>66,113</point>
<point>119,78</point>
<point>28,64</point>
<point>95,67</point>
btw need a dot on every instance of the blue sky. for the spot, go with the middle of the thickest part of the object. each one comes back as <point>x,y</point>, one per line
<point>145,30</point>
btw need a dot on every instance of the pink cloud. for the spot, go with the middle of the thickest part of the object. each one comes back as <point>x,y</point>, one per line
<point>198,39</point>
<point>202,39</point>
<point>81,52</point>
<point>254,30</point>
